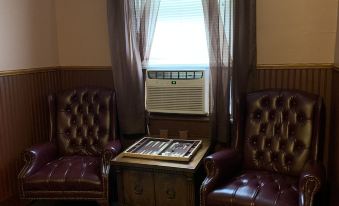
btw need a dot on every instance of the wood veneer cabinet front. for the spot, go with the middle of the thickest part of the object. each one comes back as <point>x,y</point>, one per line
<point>143,182</point>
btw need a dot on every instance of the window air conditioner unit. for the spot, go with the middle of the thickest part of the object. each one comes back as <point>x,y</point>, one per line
<point>180,92</point>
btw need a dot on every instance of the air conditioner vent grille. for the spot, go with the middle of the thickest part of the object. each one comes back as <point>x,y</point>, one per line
<point>183,99</point>
<point>177,91</point>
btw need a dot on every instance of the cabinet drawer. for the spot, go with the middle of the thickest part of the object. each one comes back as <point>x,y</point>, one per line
<point>171,190</point>
<point>138,188</point>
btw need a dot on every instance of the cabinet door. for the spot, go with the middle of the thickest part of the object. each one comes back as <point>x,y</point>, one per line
<point>138,188</point>
<point>172,190</point>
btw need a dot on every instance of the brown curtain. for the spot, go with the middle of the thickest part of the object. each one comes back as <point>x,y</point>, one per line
<point>219,45</point>
<point>131,27</point>
<point>245,57</point>
<point>231,36</point>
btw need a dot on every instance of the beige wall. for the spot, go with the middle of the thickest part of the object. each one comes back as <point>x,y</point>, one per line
<point>289,31</point>
<point>296,31</point>
<point>82,33</point>
<point>27,34</point>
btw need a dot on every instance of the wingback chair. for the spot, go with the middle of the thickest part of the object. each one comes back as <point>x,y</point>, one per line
<point>83,138</point>
<point>276,160</point>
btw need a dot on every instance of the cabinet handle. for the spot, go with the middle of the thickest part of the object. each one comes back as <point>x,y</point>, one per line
<point>170,193</point>
<point>138,189</point>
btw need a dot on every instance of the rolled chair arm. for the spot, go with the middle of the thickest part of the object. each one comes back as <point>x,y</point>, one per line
<point>219,167</point>
<point>310,182</point>
<point>37,156</point>
<point>111,150</point>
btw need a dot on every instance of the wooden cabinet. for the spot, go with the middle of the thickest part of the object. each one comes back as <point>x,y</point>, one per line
<point>143,182</point>
<point>137,189</point>
<point>173,190</point>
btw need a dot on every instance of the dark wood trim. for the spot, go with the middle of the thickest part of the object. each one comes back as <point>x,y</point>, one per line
<point>296,66</point>
<point>82,68</point>
<point>333,171</point>
<point>107,68</point>
<point>15,72</point>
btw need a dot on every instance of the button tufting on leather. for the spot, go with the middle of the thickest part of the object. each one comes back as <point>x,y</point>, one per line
<point>95,97</point>
<point>72,142</point>
<point>85,97</point>
<point>274,156</point>
<point>74,120</point>
<point>272,115</point>
<point>257,114</point>
<point>293,102</point>
<point>260,155</point>
<point>288,159</point>
<point>265,102</point>
<point>263,127</point>
<point>67,133</point>
<point>291,130</point>
<point>279,102</point>
<point>102,108</point>
<point>101,132</point>
<point>85,120</point>
<point>74,98</point>
<point>68,109</point>
<point>301,117</point>
<point>96,119</point>
<point>277,129</point>
<point>80,109</point>
<point>268,143</point>
<point>79,131</point>
<point>91,109</point>
<point>254,140</point>
<point>90,131</point>
<point>285,115</point>
<point>283,144</point>
<point>298,146</point>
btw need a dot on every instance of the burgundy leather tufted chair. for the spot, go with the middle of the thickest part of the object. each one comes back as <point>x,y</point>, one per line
<point>75,163</point>
<point>276,161</point>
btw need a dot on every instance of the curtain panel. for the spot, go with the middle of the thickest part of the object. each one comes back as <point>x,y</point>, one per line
<point>231,36</point>
<point>131,27</point>
<point>218,14</point>
<point>245,58</point>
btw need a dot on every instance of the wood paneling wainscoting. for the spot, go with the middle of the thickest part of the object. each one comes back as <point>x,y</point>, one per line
<point>333,168</point>
<point>23,119</point>
<point>24,116</point>
<point>71,77</point>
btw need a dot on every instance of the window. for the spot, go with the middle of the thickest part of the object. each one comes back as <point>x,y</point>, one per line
<point>180,37</point>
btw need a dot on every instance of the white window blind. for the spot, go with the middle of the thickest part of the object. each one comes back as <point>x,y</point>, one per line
<point>180,36</point>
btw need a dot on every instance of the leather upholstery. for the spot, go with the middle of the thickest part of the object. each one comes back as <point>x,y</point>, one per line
<point>83,121</point>
<point>80,173</point>
<point>257,188</point>
<point>75,163</point>
<point>279,150</point>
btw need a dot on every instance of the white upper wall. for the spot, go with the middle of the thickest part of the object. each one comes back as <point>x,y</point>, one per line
<point>39,33</point>
<point>82,33</point>
<point>27,34</point>
<point>296,31</point>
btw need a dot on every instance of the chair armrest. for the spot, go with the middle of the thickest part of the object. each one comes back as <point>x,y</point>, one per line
<point>310,182</point>
<point>111,150</point>
<point>37,156</point>
<point>220,167</point>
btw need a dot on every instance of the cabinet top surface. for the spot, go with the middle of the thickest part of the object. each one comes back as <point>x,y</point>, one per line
<point>190,166</point>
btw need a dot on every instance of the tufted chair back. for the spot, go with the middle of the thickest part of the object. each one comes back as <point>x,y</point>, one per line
<point>82,120</point>
<point>281,131</point>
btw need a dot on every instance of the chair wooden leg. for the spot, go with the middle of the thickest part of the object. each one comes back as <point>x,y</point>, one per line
<point>103,202</point>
